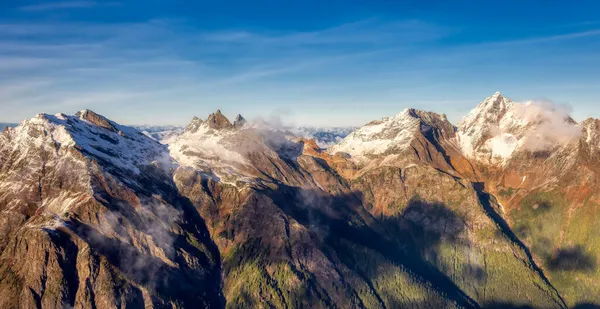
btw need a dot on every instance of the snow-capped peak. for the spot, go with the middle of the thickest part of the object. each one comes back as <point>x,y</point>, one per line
<point>498,127</point>
<point>92,135</point>
<point>489,111</point>
<point>388,134</point>
<point>194,124</point>
<point>209,145</point>
<point>239,122</point>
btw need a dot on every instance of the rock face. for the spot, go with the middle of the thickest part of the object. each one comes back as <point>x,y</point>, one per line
<point>406,212</point>
<point>546,183</point>
<point>239,122</point>
<point>218,121</point>
<point>96,119</point>
<point>90,218</point>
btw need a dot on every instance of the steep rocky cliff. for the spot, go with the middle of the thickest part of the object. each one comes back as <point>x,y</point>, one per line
<point>90,218</point>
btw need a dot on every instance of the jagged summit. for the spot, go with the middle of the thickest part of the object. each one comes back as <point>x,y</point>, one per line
<point>96,119</point>
<point>483,123</point>
<point>75,195</point>
<point>194,124</point>
<point>94,136</point>
<point>408,228</point>
<point>499,128</point>
<point>489,111</point>
<point>239,122</point>
<point>392,134</point>
<point>218,121</point>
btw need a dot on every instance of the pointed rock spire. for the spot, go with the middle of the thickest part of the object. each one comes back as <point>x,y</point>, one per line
<point>194,125</point>
<point>218,121</point>
<point>239,122</point>
<point>489,111</point>
<point>495,101</point>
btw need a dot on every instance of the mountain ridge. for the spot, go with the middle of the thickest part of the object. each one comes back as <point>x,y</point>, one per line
<point>260,216</point>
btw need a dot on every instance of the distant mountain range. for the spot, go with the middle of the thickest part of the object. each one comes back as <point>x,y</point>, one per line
<point>8,124</point>
<point>410,211</point>
<point>324,136</point>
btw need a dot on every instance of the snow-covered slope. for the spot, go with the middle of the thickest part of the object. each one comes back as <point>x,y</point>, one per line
<point>482,122</point>
<point>388,135</point>
<point>498,128</point>
<point>202,146</point>
<point>325,137</point>
<point>219,148</point>
<point>250,153</point>
<point>163,134</point>
<point>69,152</point>
<point>94,136</point>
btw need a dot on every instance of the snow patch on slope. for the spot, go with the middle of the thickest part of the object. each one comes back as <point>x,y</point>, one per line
<point>378,137</point>
<point>499,127</point>
<point>127,149</point>
<point>325,137</point>
<point>163,134</point>
<point>206,147</point>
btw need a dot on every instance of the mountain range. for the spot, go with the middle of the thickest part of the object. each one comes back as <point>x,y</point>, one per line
<point>409,211</point>
<point>323,136</point>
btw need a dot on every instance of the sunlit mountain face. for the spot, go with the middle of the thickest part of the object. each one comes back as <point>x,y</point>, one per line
<point>299,154</point>
<point>410,210</point>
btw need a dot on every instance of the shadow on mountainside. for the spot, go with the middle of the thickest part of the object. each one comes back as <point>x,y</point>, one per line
<point>178,283</point>
<point>410,239</point>
<point>485,200</point>
<point>571,259</point>
<point>342,220</point>
<point>188,274</point>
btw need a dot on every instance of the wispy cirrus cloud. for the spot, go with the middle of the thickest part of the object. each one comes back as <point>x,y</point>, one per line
<point>369,31</point>
<point>61,5</point>
<point>173,69</point>
<point>556,38</point>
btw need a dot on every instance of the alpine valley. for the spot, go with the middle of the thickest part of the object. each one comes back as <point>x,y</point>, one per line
<point>501,210</point>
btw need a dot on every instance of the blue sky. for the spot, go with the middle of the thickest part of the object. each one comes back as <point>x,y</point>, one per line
<point>323,63</point>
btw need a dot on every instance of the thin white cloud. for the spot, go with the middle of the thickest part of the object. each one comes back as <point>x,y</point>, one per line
<point>559,37</point>
<point>489,44</point>
<point>159,64</point>
<point>51,6</point>
<point>369,31</point>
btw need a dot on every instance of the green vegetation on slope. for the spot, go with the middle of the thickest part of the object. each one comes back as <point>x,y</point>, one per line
<point>565,240</point>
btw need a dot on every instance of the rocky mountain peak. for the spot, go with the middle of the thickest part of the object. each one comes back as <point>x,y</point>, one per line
<point>194,124</point>
<point>239,122</point>
<point>426,117</point>
<point>589,121</point>
<point>591,132</point>
<point>393,134</point>
<point>91,135</point>
<point>218,121</point>
<point>96,119</point>
<point>499,130</point>
<point>488,111</point>
<point>96,219</point>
